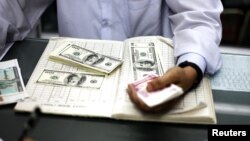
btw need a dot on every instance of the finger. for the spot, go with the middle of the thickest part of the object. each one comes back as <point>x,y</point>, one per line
<point>131,93</point>
<point>157,84</point>
<point>136,100</point>
<point>168,78</point>
<point>141,105</point>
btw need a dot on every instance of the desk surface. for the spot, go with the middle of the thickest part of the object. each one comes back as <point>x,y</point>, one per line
<point>231,108</point>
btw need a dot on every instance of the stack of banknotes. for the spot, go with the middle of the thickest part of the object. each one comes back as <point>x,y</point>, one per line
<point>95,67</point>
<point>82,57</point>
<point>155,98</point>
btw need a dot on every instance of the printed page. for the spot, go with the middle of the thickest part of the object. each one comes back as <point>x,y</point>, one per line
<point>68,99</point>
<point>11,82</point>
<point>194,100</point>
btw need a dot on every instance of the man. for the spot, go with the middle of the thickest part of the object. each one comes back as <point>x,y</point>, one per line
<point>194,26</point>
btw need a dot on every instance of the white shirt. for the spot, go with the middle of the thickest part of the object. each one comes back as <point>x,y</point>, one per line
<point>194,25</point>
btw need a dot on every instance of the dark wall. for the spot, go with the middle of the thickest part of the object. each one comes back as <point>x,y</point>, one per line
<point>236,22</point>
<point>49,19</point>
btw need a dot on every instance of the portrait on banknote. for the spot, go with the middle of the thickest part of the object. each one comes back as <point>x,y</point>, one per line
<point>145,65</point>
<point>75,80</point>
<point>93,59</point>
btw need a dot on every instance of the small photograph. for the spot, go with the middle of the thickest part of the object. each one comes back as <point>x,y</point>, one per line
<point>145,65</point>
<point>93,59</point>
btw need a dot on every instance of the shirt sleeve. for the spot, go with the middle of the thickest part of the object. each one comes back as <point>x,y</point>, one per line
<point>18,17</point>
<point>197,31</point>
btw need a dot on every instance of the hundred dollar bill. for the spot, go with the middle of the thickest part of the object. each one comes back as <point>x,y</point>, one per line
<point>71,79</point>
<point>11,83</point>
<point>144,59</point>
<point>87,58</point>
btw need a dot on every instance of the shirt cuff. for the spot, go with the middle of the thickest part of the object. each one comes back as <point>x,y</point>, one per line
<point>194,58</point>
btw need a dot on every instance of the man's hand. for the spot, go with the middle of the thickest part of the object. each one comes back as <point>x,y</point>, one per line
<point>183,77</point>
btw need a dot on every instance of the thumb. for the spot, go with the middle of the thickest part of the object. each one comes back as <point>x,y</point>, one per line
<point>171,76</point>
<point>157,84</point>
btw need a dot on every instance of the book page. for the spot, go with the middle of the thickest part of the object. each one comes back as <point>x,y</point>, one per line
<point>194,100</point>
<point>66,100</point>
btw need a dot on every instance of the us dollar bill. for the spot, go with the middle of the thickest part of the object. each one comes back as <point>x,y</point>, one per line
<point>144,59</point>
<point>71,79</point>
<point>90,59</point>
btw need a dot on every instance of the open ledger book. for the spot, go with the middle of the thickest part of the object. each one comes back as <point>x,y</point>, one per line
<point>111,100</point>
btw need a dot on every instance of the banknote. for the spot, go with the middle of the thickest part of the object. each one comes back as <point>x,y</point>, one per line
<point>90,59</point>
<point>10,81</point>
<point>71,79</point>
<point>144,59</point>
<point>155,98</point>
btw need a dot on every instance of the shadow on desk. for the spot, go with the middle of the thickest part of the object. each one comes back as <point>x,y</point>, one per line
<point>65,128</point>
